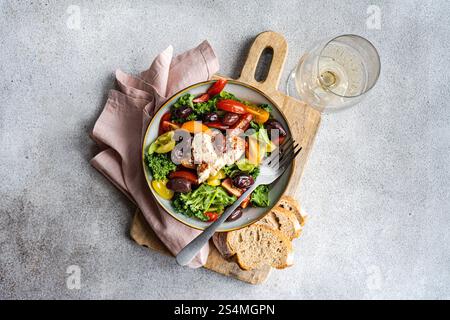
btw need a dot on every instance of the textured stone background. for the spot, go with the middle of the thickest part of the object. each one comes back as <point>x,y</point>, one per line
<point>376,186</point>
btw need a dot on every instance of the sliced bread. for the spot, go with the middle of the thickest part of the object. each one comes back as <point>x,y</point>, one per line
<point>256,246</point>
<point>290,204</point>
<point>282,220</point>
<point>268,241</point>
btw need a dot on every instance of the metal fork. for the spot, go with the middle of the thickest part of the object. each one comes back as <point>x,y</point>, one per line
<point>270,170</point>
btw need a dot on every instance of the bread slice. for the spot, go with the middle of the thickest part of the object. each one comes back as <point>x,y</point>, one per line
<point>290,204</point>
<point>282,220</point>
<point>256,246</point>
<point>220,241</point>
<point>268,241</point>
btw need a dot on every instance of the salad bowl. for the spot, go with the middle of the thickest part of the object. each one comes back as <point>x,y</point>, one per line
<point>250,214</point>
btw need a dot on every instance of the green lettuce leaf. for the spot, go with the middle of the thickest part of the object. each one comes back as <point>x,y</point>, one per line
<point>260,196</point>
<point>204,199</point>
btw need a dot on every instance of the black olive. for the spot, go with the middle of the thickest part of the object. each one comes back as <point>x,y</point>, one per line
<point>273,124</point>
<point>235,215</point>
<point>243,180</point>
<point>179,185</point>
<point>182,112</point>
<point>211,117</point>
<point>230,118</point>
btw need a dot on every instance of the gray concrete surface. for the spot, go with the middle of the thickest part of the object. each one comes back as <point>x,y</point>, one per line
<point>376,186</point>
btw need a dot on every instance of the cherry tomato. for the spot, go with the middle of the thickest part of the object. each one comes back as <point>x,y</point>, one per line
<point>231,106</point>
<point>219,175</point>
<point>167,126</point>
<point>212,216</point>
<point>201,98</point>
<point>217,125</point>
<point>213,182</point>
<point>195,127</point>
<point>162,190</point>
<point>217,87</point>
<point>162,124</point>
<point>260,115</point>
<point>188,175</point>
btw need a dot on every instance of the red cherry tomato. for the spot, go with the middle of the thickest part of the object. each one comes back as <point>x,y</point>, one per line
<point>217,125</point>
<point>165,118</point>
<point>217,87</point>
<point>168,126</point>
<point>188,175</point>
<point>231,106</point>
<point>201,98</point>
<point>212,216</point>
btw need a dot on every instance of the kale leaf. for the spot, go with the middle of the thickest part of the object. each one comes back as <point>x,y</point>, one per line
<point>160,165</point>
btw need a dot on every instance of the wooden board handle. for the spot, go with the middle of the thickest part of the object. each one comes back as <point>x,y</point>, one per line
<point>268,39</point>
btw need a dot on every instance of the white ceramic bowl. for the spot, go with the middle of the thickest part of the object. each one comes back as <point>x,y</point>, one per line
<point>250,214</point>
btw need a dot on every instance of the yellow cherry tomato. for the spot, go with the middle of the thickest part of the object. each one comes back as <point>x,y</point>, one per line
<point>218,176</point>
<point>213,182</point>
<point>162,190</point>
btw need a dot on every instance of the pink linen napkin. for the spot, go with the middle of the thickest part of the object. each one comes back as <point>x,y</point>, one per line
<point>120,129</point>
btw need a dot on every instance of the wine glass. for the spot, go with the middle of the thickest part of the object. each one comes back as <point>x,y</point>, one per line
<point>335,74</point>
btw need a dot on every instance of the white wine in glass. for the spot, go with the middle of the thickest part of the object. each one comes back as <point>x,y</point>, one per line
<point>335,74</point>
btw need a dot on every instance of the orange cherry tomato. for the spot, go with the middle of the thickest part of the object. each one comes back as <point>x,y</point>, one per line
<point>194,126</point>
<point>217,87</point>
<point>260,115</point>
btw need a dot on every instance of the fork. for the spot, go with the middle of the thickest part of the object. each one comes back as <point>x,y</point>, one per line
<point>270,170</point>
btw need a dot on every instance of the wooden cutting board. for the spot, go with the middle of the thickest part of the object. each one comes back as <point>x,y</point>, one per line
<point>304,122</point>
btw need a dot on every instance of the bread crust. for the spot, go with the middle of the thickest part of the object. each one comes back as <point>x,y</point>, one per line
<point>289,215</point>
<point>289,203</point>
<point>286,206</point>
<point>220,241</point>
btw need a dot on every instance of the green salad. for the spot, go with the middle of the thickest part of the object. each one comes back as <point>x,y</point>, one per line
<point>220,162</point>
